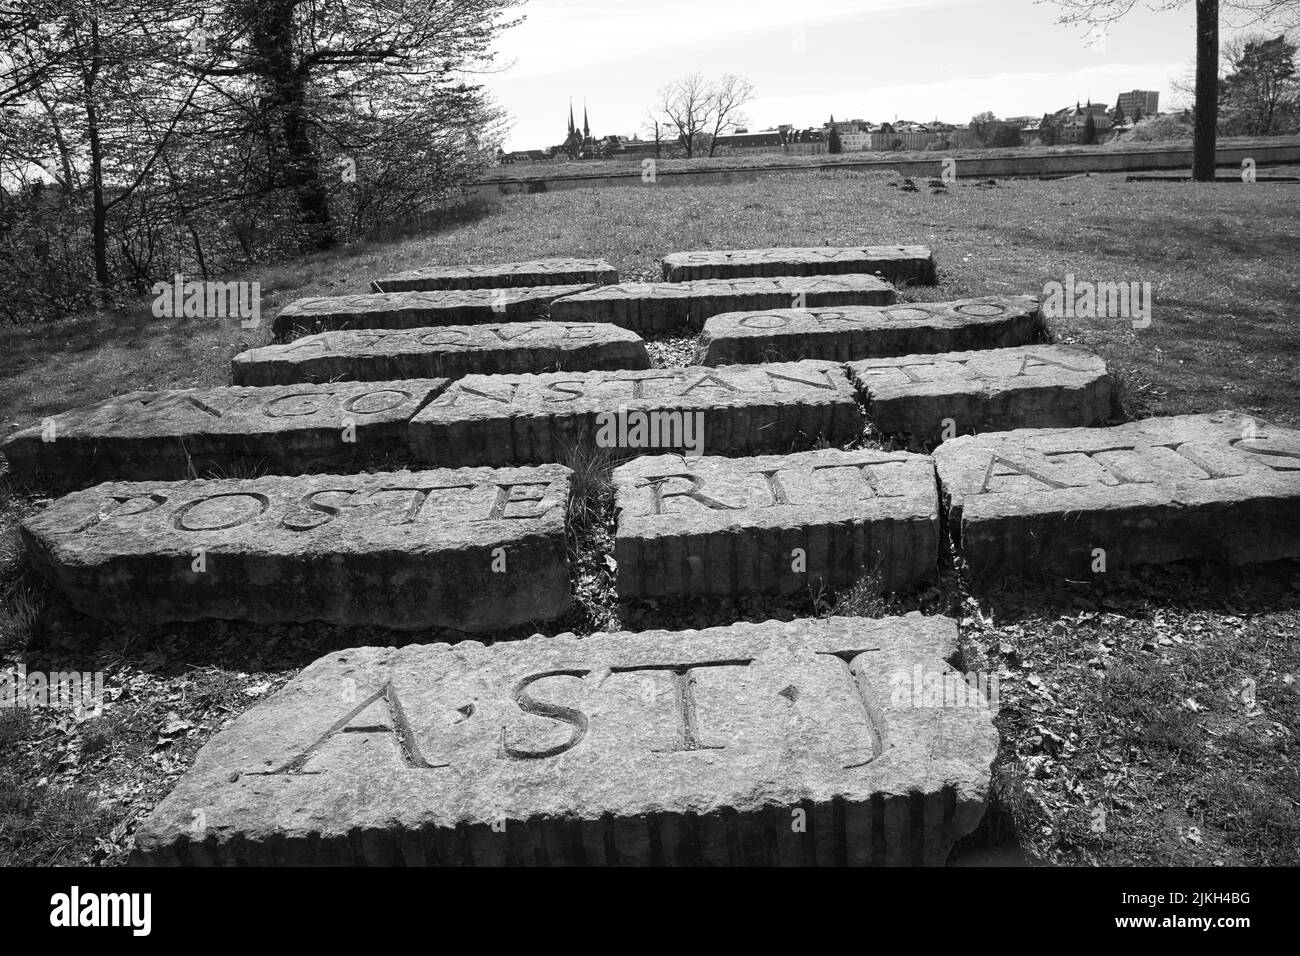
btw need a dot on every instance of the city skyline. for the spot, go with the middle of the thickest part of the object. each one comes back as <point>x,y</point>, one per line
<point>818,59</point>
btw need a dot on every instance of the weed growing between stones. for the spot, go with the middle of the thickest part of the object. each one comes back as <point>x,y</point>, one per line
<point>590,535</point>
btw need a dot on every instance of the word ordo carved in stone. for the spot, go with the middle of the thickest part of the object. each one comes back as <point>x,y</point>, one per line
<point>499,275</point>
<point>203,432</point>
<point>739,410</point>
<point>449,352</point>
<point>412,310</point>
<point>468,549</point>
<point>846,334</point>
<point>939,396</point>
<point>895,263</point>
<point>778,743</point>
<point>777,524</point>
<point>1079,501</point>
<point>649,307</point>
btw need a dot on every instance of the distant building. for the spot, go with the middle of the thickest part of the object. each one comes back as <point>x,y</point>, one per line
<point>1139,102</point>
<point>784,139</point>
<point>1071,122</point>
<point>525,156</point>
<point>910,140</point>
<point>855,142</point>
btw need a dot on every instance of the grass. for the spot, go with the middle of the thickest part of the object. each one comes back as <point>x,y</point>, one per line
<point>631,167</point>
<point>1220,259</point>
<point>1083,728</point>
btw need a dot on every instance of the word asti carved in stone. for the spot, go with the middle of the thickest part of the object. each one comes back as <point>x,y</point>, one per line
<point>776,743</point>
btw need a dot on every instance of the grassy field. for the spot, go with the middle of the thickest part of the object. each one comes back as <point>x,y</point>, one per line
<point>631,167</point>
<point>1125,697</point>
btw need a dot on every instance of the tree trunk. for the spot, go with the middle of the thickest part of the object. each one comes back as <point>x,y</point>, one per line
<point>1206,113</point>
<point>99,210</point>
<point>272,39</point>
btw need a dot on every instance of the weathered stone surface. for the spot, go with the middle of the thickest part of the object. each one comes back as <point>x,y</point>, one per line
<point>417,310</point>
<point>497,275</point>
<point>1147,492</point>
<point>846,334</point>
<point>1033,386</point>
<point>778,524</point>
<point>449,352</point>
<point>520,419</point>
<point>648,307</point>
<point>894,263</point>
<point>406,550</point>
<point>201,432</point>
<point>676,748</point>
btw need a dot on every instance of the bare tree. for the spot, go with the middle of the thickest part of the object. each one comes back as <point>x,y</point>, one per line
<point>983,126</point>
<point>1205,114</point>
<point>730,94</point>
<point>697,111</point>
<point>686,108</point>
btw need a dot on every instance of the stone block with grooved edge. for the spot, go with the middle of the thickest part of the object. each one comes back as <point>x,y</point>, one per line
<point>960,393</point>
<point>894,263</point>
<point>451,352</point>
<point>799,743</point>
<point>418,310</point>
<point>739,410</point>
<point>1078,501</point>
<point>498,275</point>
<point>846,334</point>
<point>650,307</point>
<point>210,432</point>
<point>779,524</point>
<point>470,549</point>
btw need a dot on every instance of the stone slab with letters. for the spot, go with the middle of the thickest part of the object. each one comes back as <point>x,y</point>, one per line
<point>449,352</point>
<point>1078,501</point>
<point>467,549</point>
<point>960,393</point>
<point>778,524</point>
<point>897,264</point>
<point>739,410</point>
<point>800,743</point>
<point>207,432</point>
<point>498,275</point>
<point>417,310</point>
<point>848,334</point>
<point>654,307</point>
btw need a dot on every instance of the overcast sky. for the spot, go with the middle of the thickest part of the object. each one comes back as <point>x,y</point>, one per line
<point>873,59</point>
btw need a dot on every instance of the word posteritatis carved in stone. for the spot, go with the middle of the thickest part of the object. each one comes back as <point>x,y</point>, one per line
<point>861,332</point>
<point>940,396</point>
<point>448,352</point>
<point>775,743</point>
<point>468,549</point>
<point>410,310</point>
<point>498,275</point>
<point>649,307</point>
<point>1079,501</point>
<point>897,264</point>
<point>211,431</point>
<point>778,524</point>
<point>519,419</point>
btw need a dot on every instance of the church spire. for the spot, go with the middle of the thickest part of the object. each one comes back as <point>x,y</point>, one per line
<point>586,130</point>
<point>571,130</point>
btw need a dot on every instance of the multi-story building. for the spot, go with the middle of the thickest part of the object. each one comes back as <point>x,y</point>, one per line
<point>1139,102</point>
